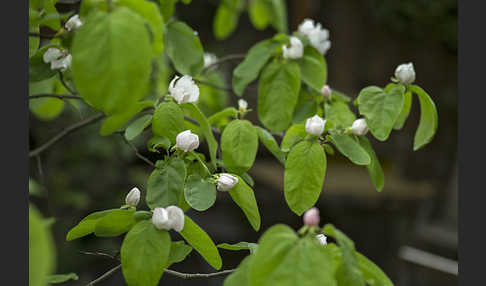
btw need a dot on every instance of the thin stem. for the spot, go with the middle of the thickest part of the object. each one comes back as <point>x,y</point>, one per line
<point>31,34</point>
<point>60,96</point>
<point>104,276</point>
<point>223,60</point>
<point>201,162</point>
<point>134,148</point>
<point>61,78</point>
<point>64,133</point>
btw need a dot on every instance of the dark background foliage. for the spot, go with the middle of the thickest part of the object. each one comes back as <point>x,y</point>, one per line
<point>417,207</point>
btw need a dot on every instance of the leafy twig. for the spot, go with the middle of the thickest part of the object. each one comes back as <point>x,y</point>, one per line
<point>65,132</point>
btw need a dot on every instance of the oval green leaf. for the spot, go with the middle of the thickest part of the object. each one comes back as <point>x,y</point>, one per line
<point>239,145</point>
<point>313,68</point>
<point>165,185</point>
<point>350,148</point>
<point>428,119</point>
<point>244,197</point>
<point>184,48</point>
<point>115,223</point>
<point>200,193</point>
<point>168,120</point>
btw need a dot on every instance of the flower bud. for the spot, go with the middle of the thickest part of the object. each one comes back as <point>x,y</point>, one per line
<point>176,218</point>
<point>322,239</point>
<point>73,23</point>
<point>315,125</point>
<point>318,36</point>
<point>160,219</point>
<point>405,73</point>
<point>295,51</point>
<point>359,127</point>
<point>51,54</point>
<point>62,64</point>
<point>187,141</point>
<point>209,59</point>
<point>183,89</point>
<point>311,217</point>
<point>242,104</point>
<point>326,91</point>
<point>133,197</point>
<point>226,182</point>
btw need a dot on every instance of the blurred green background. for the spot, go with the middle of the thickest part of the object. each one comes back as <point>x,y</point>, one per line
<point>86,172</point>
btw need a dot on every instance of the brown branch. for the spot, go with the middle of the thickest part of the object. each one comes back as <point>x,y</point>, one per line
<point>60,96</point>
<point>104,276</point>
<point>223,60</point>
<point>65,132</point>
<point>134,148</point>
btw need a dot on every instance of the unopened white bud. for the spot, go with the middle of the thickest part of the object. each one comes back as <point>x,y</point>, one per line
<point>176,217</point>
<point>315,125</point>
<point>133,197</point>
<point>160,219</point>
<point>187,141</point>
<point>209,59</point>
<point>318,36</point>
<point>73,23</point>
<point>359,127</point>
<point>242,104</point>
<point>183,89</point>
<point>326,91</point>
<point>405,73</point>
<point>51,54</point>
<point>311,217</point>
<point>226,182</point>
<point>295,50</point>
<point>62,63</point>
<point>322,239</point>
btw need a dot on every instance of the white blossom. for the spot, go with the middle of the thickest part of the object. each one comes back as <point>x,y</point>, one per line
<point>62,63</point>
<point>318,36</point>
<point>405,73</point>
<point>160,219</point>
<point>242,104</point>
<point>183,89</point>
<point>225,182</point>
<point>176,218</point>
<point>73,23</point>
<point>133,197</point>
<point>359,127</point>
<point>322,239</point>
<point>52,54</point>
<point>315,125</point>
<point>187,141</point>
<point>209,59</point>
<point>326,91</point>
<point>295,51</point>
<point>311,217</point>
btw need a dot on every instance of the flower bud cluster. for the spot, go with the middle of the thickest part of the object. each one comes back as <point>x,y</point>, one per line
<point>58,59</point>
<point>318,36</point>
<point>171,217</point>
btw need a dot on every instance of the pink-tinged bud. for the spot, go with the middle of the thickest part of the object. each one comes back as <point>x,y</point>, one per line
<point>311,217</point>
<point>326,91</point>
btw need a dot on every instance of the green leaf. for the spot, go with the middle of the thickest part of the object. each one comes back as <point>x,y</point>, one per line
<point>428,119</point>
<point>51,16</point>
<point>250,246</point>
<point>373,275</point>
<point>239,145</point>
<point>350,148</point>
<point>216,118</point>
<point>278,91</point>
<point>87,224</point>
<point>349,272</point>
<point>313,68</point>
<point>206,130</point>
<point>267,139</point>
<point>407,104</point>
<point>258,13</point>
<point>293,135</point>
<point>167,8</point>
<point>156,142</point>
<point>201,242</point>
<point>226,18</point>
<point>244,197</point>
<point>115,223</point>
<point>46,108</point>
<point>142,215</point>
<point>240,276</point>
<point>168,121</point>
<point>144,254</point>
<point>278,10</point>
<point>41,249</point>
<point>38,69</point>
<point>248,70</point>
<point>306,107</point>
<point>336,95</point>
<point>339,113</point>
<point>200,193</point>
<point>305,170</point>
<point>374,168</point>
<point>112,60</point>
<point>117,120</point>
<point>165,185</point>
<point>178,252</point>
<point>61,278</point>
<point>212,100</point>
<point>184,48</point>
<point>273,246</point>
<point>136,127</point>
<point>381,109</point>
<point>248,179</point>
<point>34,41</point>
<point>150,12</point>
